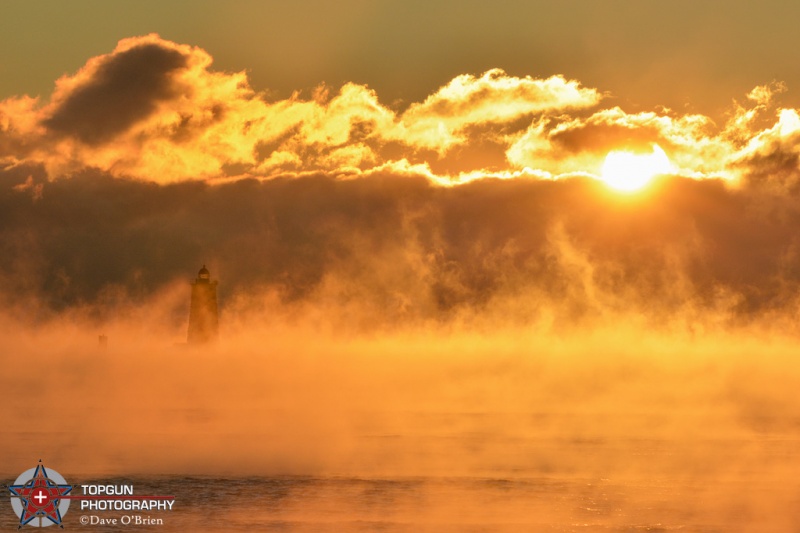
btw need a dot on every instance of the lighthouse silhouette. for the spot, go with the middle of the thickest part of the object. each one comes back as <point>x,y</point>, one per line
<point>203,321</point>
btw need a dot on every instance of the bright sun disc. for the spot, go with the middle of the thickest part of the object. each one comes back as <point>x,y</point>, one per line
<point>627,171</point>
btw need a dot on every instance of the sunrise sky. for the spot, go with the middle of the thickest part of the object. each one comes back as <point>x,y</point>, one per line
<point>404,162</point>
<point>537,240</point>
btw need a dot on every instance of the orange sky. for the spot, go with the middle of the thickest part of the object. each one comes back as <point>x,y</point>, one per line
<point>408,207</point>
<point>686,55</point>
<point>150,157</point>
<point>161,111</point>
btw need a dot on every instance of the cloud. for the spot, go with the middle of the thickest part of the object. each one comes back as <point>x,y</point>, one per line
<point>338,133</point>
<point>156,110</point>
<point>112,93</point>
<point>772,157</point>
<point>394,248</point>
<point>149,110</point>
<point>19,128</point>
<point>440,121</point>
<point>566,144</point>
<point>478,200</point>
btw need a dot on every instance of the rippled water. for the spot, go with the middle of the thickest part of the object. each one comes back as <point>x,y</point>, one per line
<point>587,485</point>
<point>304,504</point>
<point>490,445</point>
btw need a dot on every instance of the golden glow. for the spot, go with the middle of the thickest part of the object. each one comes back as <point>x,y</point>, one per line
<point>626,171</point>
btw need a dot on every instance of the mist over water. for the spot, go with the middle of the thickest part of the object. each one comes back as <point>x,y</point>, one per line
<point>433,316</point>
<point>299,428</point>
<point>404,357</point>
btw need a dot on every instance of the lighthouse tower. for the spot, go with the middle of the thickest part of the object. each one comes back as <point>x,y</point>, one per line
<point>203,322</point>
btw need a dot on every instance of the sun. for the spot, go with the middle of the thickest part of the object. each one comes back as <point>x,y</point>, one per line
<point>626,171</point>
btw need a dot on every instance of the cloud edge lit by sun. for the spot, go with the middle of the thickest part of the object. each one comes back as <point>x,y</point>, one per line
<point>190,122</point>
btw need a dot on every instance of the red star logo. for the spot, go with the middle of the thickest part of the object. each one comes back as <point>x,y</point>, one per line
<point>40,497</point>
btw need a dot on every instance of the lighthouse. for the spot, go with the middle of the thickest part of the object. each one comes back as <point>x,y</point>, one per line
<point>203,321</point>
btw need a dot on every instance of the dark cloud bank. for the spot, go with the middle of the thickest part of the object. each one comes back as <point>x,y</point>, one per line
<point>389,250</point>
<point>124,89</point>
